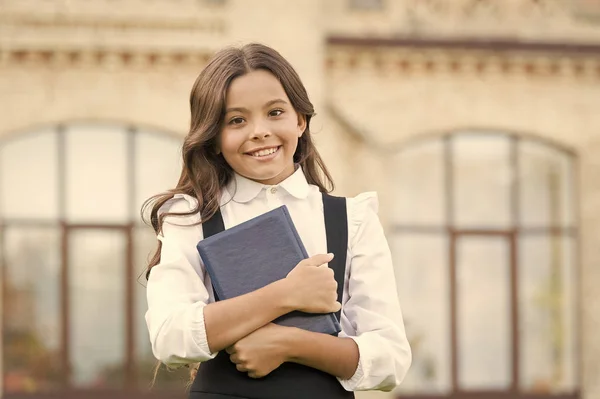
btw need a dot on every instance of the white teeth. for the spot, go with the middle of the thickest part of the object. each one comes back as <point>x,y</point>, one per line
<point>263,153</point>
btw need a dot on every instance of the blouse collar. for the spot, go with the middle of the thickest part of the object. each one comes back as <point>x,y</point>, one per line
<point>242,189</point>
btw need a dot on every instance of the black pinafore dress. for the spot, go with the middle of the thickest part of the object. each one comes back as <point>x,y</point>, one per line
<point>219,379</point>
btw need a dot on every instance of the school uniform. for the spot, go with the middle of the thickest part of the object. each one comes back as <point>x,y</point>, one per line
<point>179,288</point>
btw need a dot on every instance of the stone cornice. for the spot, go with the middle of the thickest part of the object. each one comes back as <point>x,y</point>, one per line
<point>110,26</point>
<point>111,58</point>
<point>555,20</point>
<point>496,45</point>
<point>483,12</point>
<point>411,55</point>
<point>205,24</point>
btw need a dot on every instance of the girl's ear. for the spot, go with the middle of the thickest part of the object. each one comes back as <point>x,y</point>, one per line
<point>301,124</point>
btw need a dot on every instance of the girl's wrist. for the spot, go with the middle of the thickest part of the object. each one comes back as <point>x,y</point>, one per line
<point>285,294</point>
<point>291,343</point>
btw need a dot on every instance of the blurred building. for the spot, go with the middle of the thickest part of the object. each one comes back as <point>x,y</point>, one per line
<point>477,121</point>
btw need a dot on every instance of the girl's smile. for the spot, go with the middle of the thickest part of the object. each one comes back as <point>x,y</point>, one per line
<point>265,153</point>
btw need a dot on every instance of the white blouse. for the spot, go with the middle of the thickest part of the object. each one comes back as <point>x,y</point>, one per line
<point>179,286</point>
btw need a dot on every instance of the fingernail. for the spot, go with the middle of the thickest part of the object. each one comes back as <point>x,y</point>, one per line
<point>330,255</point>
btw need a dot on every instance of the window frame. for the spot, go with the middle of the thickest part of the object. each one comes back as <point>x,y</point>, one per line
<point>513,233</point>
<point>132,387</point>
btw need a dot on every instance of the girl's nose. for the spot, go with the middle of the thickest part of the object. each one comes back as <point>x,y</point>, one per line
<point>260,134</point>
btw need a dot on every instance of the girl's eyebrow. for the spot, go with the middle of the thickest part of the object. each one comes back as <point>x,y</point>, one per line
<point>268,104</point>
<point>275,101</point>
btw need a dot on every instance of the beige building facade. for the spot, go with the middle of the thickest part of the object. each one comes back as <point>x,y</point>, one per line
<point>476,121</point>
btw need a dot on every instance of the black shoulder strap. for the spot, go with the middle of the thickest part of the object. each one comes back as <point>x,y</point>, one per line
<point>336,228</point>
<point>214,225</point>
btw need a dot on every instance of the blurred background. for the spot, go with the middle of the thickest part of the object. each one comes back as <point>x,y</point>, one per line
<point>476,121</point>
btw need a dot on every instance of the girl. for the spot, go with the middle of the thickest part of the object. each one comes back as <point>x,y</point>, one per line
<point>249,150</point>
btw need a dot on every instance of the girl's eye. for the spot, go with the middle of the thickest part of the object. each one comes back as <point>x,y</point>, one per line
<point>236,121</point>
<point>276,112</point>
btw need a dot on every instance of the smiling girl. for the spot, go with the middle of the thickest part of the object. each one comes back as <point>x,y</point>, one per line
<point>248,151</point>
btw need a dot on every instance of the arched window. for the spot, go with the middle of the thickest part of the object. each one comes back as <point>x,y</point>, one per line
<point>72,249</point>
<point>485,247</point>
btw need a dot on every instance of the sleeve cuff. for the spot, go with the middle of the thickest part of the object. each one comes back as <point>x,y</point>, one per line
<point>353,384</point>
<point>199,331</point>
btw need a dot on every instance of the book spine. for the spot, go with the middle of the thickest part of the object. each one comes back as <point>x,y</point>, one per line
<point>209,269</point>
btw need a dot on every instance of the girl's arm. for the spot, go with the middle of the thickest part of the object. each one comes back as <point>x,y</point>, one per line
<point>372,353</point>
<point>333,355</point>
<point>184,329</point>
<point>267,348</point>
<point>308,288</point>
<point>372,316</point>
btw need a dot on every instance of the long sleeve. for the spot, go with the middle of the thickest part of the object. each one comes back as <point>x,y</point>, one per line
<point>177,291</point>
<point>372,308</point>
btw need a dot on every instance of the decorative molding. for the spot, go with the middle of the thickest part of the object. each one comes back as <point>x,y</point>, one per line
<point>399,59</point>
<point>535,11</point>
<point>549,20</point>
<point>495,45</point>
<point>465,57</point>
<point>485,8</point>
<point>101,58</point>
<point>88,29</point>
<point>214,25</point>
<point>82,32</point>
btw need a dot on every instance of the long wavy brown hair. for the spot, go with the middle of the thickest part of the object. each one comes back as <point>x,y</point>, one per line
<point>205,172</point>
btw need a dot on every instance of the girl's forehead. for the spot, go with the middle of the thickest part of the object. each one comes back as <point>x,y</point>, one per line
<point>253,87</point>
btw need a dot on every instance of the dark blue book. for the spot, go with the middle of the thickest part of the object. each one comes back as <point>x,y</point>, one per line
<point>256,253</point>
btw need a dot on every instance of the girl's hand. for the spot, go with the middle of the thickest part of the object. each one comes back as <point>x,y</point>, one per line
<point>313,286</point>
<point>261,352</point>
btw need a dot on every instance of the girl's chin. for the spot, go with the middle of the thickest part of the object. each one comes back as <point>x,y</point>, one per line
<point>269,176</point>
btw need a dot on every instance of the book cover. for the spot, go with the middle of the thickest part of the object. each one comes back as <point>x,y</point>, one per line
<point>256,253</point>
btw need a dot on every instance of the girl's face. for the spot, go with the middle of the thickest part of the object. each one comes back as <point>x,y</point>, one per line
<point>261,128</point>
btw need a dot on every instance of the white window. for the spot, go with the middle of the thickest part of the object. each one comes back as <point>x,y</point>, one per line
<point>484,241</point>
<point>73,253</point>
